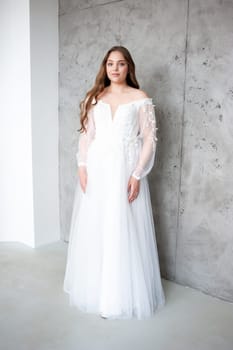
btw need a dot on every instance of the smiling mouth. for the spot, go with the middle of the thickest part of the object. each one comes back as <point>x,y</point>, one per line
<point>115,74</point>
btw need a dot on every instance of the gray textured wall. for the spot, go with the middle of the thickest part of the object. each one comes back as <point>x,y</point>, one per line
<point>183,53</point>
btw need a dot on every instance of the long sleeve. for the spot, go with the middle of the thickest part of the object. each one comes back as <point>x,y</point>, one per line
<point>147,133</point>
<point>85,140</point>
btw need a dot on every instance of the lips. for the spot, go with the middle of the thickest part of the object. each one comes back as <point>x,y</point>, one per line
<point>115,74</point>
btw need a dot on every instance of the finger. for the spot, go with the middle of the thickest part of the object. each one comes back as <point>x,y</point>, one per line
<point>132,199</point>
<point>83,186</point>
<point>132,196</point>
<point>85,183</point>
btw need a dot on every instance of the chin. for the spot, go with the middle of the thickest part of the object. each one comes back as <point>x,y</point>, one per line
<point>117,80</point>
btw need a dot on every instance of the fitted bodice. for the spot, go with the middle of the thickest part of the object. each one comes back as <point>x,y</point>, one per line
<point>129,135</point>
<point>120,127</point>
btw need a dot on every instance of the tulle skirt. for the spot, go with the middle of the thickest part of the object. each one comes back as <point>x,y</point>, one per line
<point>112,261</point>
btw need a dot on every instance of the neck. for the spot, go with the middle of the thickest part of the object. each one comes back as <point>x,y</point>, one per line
<point>117,88</point>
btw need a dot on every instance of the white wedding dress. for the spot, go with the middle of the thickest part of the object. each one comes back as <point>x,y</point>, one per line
<point>112,261</point>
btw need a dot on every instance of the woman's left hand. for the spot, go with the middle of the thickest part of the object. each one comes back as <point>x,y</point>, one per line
<point>133,188</point>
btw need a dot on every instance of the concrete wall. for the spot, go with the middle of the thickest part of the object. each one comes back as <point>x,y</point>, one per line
<point>205,232</point>
<point>183,54</point>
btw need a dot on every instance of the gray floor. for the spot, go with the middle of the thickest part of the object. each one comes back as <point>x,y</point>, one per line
<point>35,313</point>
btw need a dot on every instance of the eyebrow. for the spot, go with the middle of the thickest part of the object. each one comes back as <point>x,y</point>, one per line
<point>116,60</point>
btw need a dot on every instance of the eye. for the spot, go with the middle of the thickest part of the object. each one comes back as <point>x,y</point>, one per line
<point>109,64</point>
<point>122,64</point>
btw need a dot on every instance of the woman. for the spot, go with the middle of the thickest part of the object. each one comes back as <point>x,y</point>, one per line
<point>112,263</point>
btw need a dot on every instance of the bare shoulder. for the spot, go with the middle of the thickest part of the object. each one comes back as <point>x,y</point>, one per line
<point>102,93</point>
<point>138,93</point>
<point>142,94</point>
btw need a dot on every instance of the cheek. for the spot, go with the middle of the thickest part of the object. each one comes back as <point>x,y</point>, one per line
<point>124,70</point>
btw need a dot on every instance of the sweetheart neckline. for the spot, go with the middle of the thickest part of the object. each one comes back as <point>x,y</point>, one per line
<point>122,104</point>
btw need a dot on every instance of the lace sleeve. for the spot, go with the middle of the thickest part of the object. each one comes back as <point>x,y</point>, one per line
<point>147,132</point>
<point>85,140</point>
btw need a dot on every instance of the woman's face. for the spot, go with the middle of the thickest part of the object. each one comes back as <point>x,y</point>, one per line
<point>116,67</point>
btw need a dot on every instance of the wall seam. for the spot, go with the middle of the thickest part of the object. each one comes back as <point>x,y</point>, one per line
<point>182,137</point>
<point>90,7</point>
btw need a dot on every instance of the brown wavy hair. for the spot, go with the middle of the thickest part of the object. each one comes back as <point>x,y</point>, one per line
<point>103,81</point>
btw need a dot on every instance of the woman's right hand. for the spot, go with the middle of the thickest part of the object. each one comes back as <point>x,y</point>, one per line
<point>82,173</point>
